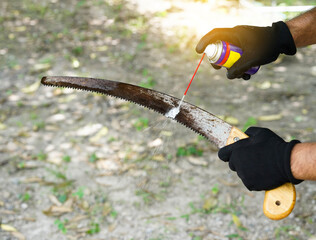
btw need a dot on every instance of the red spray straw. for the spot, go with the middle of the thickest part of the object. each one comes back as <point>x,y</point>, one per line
<point>185,93</point>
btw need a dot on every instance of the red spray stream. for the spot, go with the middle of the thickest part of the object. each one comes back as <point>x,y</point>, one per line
<point>174,111</point>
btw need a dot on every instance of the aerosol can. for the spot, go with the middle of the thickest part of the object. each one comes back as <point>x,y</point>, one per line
<point>224,54</point>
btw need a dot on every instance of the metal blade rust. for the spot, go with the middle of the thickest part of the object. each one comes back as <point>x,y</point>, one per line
<point>193,117</point>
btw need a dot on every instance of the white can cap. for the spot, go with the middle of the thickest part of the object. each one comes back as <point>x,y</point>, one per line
<point>213,51</point>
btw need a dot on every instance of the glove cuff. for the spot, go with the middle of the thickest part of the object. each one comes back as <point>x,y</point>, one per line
<point>287,159</point>
<point>284,38</point>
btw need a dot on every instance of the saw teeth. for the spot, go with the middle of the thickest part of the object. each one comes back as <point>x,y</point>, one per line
<point>86,90</point>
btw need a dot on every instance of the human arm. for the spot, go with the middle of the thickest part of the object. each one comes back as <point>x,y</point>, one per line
<point>303,28</point>
<point>303,161</point>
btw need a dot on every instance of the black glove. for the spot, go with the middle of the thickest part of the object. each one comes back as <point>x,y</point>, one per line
<point>260,45</point>
<point>262,161</point>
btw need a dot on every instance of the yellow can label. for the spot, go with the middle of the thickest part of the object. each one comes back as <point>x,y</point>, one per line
<point>233,57</point>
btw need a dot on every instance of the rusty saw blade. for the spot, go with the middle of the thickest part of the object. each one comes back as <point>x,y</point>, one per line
<point>278,202</point>
<point>193,117</point>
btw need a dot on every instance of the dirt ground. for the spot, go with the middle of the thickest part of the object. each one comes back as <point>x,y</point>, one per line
<point>77,165</point>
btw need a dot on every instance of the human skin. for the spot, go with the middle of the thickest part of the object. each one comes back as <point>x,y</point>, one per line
<point>303,157</point>
<point>303,28</point>
<point>303,161</point>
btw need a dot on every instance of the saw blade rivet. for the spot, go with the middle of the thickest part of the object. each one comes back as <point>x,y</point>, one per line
<point>236,139</point>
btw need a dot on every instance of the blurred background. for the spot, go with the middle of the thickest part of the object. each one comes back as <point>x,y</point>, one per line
<point>78,165</point>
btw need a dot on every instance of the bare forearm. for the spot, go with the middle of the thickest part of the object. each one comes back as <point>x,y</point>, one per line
<point>303,161</point>
<point>303,28</point>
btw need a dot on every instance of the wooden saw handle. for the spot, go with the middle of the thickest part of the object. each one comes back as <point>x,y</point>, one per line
<point>279,202</point>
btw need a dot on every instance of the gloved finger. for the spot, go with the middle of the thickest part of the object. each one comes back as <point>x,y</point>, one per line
<point>246,76</point>
<point>225,152</point>
<point>216,66</point>
<point>224,34</point>
<point>232,166</point>
<point>239,68</point>
<point>253,131</point>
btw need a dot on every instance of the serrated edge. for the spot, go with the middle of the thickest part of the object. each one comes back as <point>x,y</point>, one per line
<point>144,106</point>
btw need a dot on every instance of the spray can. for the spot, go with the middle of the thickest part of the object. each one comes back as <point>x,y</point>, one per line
<point>224,54</point>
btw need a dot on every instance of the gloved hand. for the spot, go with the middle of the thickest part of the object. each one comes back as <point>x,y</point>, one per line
<point>260,45</point>
<point>262,161</point>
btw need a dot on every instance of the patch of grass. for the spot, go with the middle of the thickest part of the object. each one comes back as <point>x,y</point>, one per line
<point>283,231</point>
<point>25,197</point>
<point>148,197</point>
<point>191,150</point>
<point>93,158</point>
<point>79,193</point>
<point>66,158</point>
<point>94,228</point>
<point>143,40</point>
<point>33,116</point>
<point>81,3</point>
<point>137,24</point>
<point>166,183</point>
<point>141,124</point>
<point>148,81</point>
<point>62,198</point>
<point>21,165</point>
<point>234,236</point>
<point>57,174</point>
<point>186,217</point>
<point>77,51</point>
<point>38,125</point>
<point>61,225</point>
<point>215,190</point>
<point>173,48</point>
<point>40,156</point>
<point>48,60</point>
<point>161,14</point>
<point>34,9</point>
<point>251,121</point>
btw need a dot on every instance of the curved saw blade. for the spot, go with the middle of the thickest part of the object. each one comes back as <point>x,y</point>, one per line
<point>193,117</point>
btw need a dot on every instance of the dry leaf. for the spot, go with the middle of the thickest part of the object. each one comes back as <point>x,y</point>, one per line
<point>272,117</point>
<point>33,180</point>
<point>158,158</point>
<point>18,235</point>
<point>106,209</point>
<point>109,165</point>
<point>55,157</point>
<point>31,88</point>
<point>7,228</point>
<point>69,203</point>
<point>236,221</point>
<point>229,119</point>
<point>78,218</point>
<point>198,162</point>
<point>156,143</point>
<point>8,212</point>
<point>112,227</point>
<point>166,133</point>
<point>88,130</point>
<point>54,200</point>
<point>59,210</point>
<point>2,126</point>
<point>104,131</point>
<point>40,67</point>
<point>265,85</point>
<point>209,203</point>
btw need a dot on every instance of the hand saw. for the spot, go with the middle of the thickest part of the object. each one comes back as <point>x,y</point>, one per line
<point>278,203</point>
